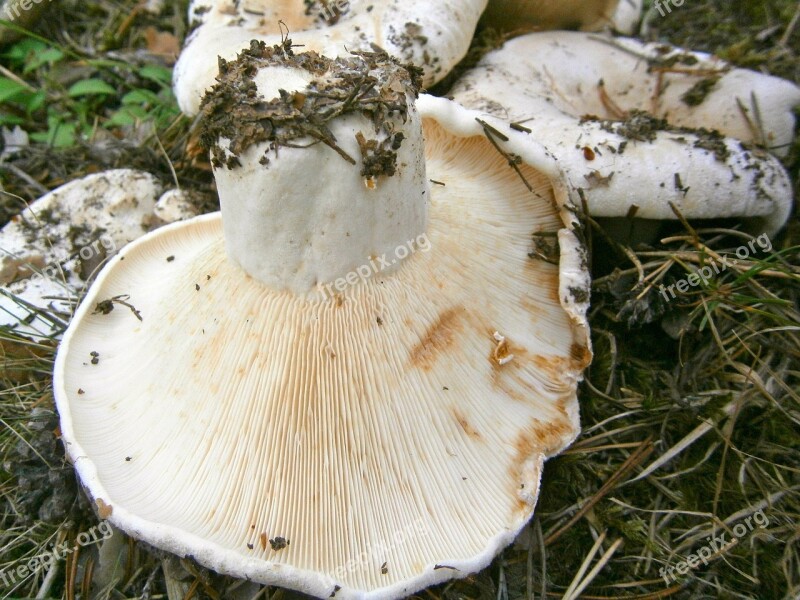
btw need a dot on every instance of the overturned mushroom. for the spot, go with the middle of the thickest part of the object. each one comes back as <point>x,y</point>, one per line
<point>346,383</point>
<point>640,128</point>
<point>434,35</point>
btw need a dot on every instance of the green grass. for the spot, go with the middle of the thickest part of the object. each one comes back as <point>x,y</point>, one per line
<point>70,110</point>
<point>691,409</point>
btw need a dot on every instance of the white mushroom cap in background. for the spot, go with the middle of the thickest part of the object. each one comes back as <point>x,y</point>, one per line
<point>52,248</point>
<point>587,15</point>
<point>596,103</point>
<point>433,35</point>
<point>627,16</point>
<point>362,444</point>
<point>177,205</point>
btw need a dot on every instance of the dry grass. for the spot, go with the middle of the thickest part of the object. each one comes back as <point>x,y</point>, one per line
<point>691,410</point>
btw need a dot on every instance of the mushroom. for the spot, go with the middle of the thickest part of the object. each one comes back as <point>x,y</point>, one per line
<point>627,17</point>
<point>640,128</point>
<point>347,381</point>
<point>177,205</point>
<point>434,35</point>
<point>52,248</point>
<point>515,15</point>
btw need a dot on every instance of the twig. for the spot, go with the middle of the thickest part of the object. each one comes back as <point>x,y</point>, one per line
<point>687,441</point>
<point>169,162</point>
<point>529,568</point>
<point>612,107</point>
<point>791,27</point>
<point>513,159</point>
<point>692,72</point>
<point>14,77</point>
<point>750,125</point>
<point>597,568</point>
<point>686,224</point>
<point>49,580</point>
<point>25,177</point>
<point>638,456</point>
<point>576,580</point>
<point>543,553</point>
<point>759,121</point>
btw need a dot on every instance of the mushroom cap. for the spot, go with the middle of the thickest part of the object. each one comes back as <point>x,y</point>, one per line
<point>587,15</point>
<point>627,16</point>
<point>636,124</point>
<point>177,205</point>
<point>53,247</point>
<point>433,35</point>
<point>366,445</point>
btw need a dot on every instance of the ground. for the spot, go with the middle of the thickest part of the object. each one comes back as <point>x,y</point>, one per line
<point>691,409</point>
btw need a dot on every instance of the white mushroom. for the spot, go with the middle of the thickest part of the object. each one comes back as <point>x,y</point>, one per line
<point>627,16</point>
<point>307,390</point>
<point>176,205</point>
<point>597,104</point>
<point>434,34</point>
<point>587,15</point>
<point>52,248</point>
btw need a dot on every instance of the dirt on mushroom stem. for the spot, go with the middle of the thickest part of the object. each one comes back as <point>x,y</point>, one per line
<point>369,83</point>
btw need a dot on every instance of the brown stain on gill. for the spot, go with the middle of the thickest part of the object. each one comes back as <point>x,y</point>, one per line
<point>553,291</point>
<point>468,429</point>
<point>553,366</point>
<point>541,437</point>
<point>546,278</point>
<point>581,356</point>
<point>438,338</point>
<point>537,438</point>
<point>557,367</point>
<point>509,378</point>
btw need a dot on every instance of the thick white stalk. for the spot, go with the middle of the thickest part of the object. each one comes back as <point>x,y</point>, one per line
<point>299,215</point>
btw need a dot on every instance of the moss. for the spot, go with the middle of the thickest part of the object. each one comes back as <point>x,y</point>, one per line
<point>698,93</point>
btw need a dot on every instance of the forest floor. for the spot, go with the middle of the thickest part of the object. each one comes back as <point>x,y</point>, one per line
<point>690,410</point>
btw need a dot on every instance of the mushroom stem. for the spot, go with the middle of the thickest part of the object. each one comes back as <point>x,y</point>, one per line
<point>319,164</point>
